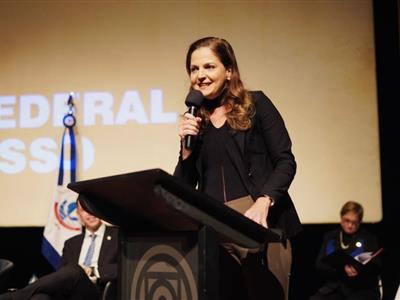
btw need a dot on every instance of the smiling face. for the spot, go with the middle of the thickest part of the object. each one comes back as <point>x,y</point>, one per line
<point>207,73</point>
<point>90,222</point>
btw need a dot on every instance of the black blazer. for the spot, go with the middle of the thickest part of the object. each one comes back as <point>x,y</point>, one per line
<point>366,280</point>
<point>264,159</point>
<point>107,263</point>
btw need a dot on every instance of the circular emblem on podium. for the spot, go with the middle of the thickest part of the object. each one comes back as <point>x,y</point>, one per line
<point>163,274</point>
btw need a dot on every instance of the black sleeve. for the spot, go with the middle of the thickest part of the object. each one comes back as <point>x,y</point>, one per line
<point>323,269</point>
<point>185,170</point>
<point>278,145</point>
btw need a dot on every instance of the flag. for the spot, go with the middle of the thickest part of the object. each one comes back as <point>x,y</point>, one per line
<point>63,221</point>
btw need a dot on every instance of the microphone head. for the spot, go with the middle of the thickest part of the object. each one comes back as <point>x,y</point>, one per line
<point>194,98</point>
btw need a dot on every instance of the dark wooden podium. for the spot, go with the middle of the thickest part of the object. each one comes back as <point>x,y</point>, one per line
<point>169,233</point>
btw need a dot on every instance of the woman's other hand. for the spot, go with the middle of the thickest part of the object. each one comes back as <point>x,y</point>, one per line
<point>258,212</point>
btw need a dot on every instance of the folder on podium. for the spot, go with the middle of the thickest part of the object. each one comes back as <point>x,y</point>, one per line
<point>169,233</point>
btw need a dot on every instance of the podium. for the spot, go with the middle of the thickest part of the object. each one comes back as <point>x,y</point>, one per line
<point>169,233</point>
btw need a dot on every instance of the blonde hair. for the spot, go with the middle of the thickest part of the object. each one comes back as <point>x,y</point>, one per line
<point>352,206</point>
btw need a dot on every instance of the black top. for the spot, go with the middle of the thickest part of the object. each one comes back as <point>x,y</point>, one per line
<point>361,241</point>
<point>221,178</point>
<point>263,158</point>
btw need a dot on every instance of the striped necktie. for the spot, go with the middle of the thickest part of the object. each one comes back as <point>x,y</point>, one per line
<point>89,254</point>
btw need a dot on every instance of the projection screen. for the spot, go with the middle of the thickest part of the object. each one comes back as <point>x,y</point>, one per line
<point>125,63</point>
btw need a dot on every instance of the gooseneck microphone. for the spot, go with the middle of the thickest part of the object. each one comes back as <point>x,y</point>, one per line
<point>193,101</point>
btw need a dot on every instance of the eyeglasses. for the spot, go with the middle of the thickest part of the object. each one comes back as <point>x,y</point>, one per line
<point>350,222</point>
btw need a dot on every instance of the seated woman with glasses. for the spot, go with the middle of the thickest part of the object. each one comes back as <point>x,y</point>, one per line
<point>345,278</point>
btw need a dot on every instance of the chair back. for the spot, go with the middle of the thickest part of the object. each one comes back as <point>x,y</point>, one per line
<point>5,268</point>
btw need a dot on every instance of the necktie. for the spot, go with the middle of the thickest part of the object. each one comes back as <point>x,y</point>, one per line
<point>89,254</point>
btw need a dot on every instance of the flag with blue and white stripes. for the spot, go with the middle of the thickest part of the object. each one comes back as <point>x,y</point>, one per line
<point>63,221</point>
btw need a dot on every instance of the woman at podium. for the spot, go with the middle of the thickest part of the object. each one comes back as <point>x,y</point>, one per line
<point>234,144</point>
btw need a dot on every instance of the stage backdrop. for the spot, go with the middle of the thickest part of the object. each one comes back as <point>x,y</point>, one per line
<point>125,63</point>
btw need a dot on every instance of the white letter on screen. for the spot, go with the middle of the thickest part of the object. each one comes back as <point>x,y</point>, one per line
<point>47,159</point>
<point>156,106</point>
<point>60,108</point>
<point>88,153</point>
<point>67,147</point>
<point>27,103</point>
<point>131,109</point>
<point>14,161</point>
<point>6,110</point>
<point>97,103</point>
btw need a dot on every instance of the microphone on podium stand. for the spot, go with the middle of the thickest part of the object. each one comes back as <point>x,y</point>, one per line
<point>193,101</point>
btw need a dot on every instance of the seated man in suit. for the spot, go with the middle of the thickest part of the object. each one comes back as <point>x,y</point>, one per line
<point>88,261</point>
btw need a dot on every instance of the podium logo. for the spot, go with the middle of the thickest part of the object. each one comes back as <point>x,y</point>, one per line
<point>163,274</point>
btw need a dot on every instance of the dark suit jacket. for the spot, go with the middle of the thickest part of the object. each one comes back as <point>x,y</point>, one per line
<point>107,263</point>
<point>263,157</point>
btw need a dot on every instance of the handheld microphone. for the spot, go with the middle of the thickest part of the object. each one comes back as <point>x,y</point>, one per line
<point>193,101</point>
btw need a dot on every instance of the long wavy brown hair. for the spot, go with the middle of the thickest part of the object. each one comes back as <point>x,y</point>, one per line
<point>235,97</point>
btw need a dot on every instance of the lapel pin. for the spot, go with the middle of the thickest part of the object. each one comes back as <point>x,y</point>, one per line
<point>108,237</point>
